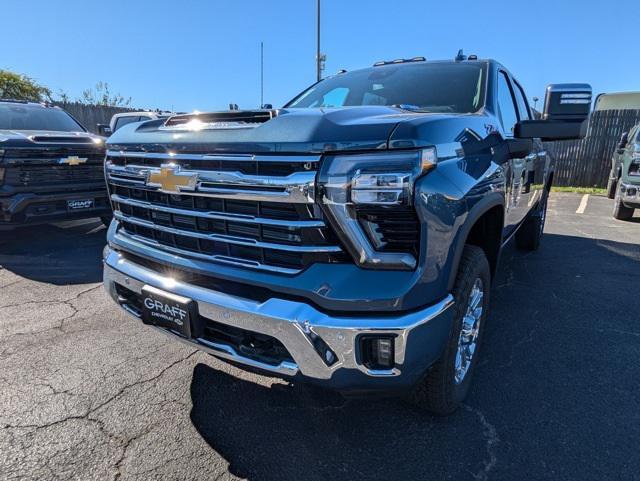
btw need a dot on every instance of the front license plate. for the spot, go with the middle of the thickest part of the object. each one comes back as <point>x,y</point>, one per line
<point>80,204</point>
<point>163,309</point>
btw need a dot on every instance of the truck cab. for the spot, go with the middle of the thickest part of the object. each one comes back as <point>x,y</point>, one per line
<point>348,239</point>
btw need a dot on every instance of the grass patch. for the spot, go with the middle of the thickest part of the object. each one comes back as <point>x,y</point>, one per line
<point>580,190</point>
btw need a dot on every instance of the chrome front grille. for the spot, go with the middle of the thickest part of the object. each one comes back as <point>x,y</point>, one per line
<point>266,222</point>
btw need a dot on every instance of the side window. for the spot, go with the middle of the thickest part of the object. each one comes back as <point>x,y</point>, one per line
<point>506,105</point>
<point>523,107</point>
<point>122,121</point>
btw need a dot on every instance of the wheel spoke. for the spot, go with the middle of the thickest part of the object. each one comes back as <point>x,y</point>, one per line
<point>469,329</point>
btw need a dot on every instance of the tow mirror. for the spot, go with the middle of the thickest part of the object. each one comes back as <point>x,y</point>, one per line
<point>104,130</point>
<point>565,115</point>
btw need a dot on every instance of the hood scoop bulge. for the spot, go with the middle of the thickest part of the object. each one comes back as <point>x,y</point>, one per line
<point>233,119</point>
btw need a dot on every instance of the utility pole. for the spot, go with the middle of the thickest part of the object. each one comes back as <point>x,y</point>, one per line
<point>319,56</point>
<point>261,74</point>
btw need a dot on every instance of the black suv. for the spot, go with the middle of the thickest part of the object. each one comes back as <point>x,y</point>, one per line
<point>51,168</point>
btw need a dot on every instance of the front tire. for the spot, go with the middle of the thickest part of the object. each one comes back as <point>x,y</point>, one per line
<point>447,383</point>
<point>611,188</point>
<point>620,211</point>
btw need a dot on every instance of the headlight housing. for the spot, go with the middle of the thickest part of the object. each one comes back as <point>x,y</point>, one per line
<point>357,189</point>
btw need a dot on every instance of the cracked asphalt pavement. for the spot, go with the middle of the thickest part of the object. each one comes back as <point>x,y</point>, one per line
<point>88,393</point>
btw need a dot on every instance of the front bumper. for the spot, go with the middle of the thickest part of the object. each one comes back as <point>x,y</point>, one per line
<point>630,195</point>
<point>33,208</point>
<point>420,336</point>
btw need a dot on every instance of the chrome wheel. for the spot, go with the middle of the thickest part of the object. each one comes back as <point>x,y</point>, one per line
<point>468,339</point>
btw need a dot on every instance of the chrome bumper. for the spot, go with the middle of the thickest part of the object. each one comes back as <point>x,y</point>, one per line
<point>420,336</point>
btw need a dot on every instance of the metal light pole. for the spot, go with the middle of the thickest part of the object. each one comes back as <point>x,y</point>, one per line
<point>318,55</point>
<point>261,74</point>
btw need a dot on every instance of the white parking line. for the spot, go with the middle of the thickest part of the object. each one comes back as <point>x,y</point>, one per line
<point>583,204</point>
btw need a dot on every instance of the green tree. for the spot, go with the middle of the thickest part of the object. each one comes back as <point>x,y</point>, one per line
<point>20,87</point>
<point>101,95</point>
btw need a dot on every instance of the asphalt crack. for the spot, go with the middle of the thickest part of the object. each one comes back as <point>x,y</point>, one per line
<point>492,440</point>
<point>87,415</point>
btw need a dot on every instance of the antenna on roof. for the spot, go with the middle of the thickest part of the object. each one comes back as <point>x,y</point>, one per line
<point>461,56</point>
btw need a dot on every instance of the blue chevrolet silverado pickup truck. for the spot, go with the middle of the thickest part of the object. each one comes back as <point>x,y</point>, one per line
<point>348,239</point>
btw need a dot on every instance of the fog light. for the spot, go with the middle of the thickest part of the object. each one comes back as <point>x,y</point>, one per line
<point>377,352</point>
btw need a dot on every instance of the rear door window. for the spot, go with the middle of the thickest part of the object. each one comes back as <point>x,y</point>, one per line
<point>523,106</point>
<point>506,105</point>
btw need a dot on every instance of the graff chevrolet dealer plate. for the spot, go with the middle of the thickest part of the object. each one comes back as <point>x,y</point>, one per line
<point>80,204</point>
<point>167,310</point>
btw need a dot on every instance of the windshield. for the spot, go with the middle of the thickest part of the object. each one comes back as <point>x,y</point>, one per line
<point>36,117</point>
<point>430,87</point>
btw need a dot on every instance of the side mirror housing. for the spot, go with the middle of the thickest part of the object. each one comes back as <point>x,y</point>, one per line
<point>624,139</point>
<point>565,115</point>
<point>104,130</point>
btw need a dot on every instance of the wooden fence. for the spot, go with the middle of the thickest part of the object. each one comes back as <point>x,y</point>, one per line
<point>91,115</point>
<point>587,162</point>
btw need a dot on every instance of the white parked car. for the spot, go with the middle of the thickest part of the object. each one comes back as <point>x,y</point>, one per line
<point>124,118</point>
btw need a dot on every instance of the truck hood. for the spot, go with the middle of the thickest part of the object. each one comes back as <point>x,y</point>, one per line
<point>290,130</point>
<point>46,138</point>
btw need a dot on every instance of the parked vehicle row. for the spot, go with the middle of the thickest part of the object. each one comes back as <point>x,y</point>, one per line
<point>349,239</point>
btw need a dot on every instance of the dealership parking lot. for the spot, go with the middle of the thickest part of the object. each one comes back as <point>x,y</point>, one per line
<point>89,393</point>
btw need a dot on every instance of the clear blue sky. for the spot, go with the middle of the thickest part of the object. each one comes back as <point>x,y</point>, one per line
<point>204,54</point>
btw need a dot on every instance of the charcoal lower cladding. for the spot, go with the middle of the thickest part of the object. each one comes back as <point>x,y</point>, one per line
<point>281,235</point>
<point>252,345</point>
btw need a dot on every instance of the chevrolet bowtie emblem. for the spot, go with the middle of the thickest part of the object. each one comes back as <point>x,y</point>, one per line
<point>72,160</point>
<point>170,179</point>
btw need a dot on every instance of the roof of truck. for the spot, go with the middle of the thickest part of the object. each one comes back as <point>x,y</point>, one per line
<point>618,101</point>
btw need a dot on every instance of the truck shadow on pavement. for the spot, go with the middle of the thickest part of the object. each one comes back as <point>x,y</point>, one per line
<point>548,345</point>
<point>55,254</point>
<point>293,432</point>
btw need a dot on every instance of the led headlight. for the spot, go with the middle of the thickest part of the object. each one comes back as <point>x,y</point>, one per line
<point>348,183</point>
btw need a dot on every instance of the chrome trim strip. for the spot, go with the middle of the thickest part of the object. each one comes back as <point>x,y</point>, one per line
<point>286,320</point>
<point>231,157</point>
<point>358,243</point>
<point>219,215</point>
<point>223,238</point>
<point>140,245</point>
<point>298,187</point>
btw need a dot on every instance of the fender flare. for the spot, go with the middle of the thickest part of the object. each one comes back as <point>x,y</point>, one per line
<point>478,210</point>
